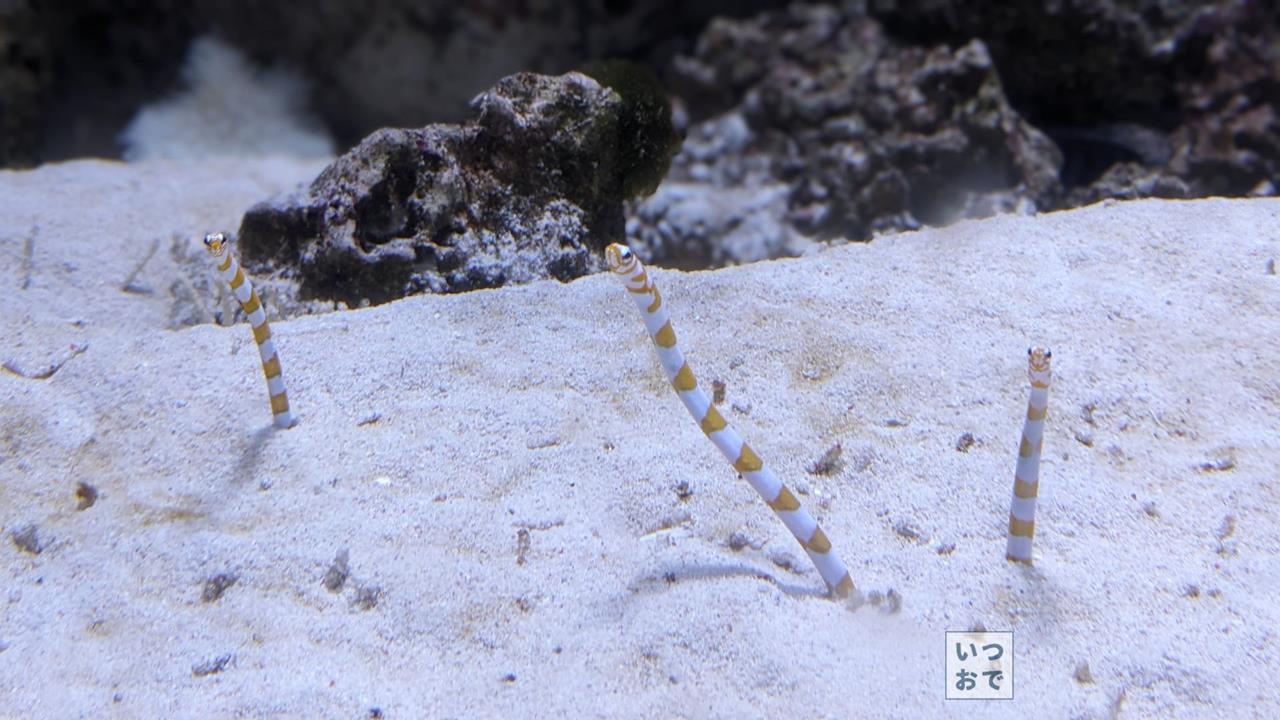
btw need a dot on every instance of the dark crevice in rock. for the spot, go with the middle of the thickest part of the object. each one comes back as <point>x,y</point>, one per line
<point>383,213</point>
<point>286,226</point>
<point>1088,154</point>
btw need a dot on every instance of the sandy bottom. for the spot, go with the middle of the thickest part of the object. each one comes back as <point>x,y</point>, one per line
<point>494,506</point>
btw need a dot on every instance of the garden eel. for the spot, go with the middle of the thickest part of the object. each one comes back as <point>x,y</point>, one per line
<point>1026,480</point>
<point>229,269</point>
<point>632,273</point>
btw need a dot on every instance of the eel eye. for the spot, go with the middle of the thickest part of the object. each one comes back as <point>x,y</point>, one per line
<point>625,253</point>
<point>1048,354</point>
<point>1028,352</point>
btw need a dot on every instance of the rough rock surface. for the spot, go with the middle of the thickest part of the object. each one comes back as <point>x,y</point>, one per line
<point>526,190</point>
<point>868,135</point>
<point>720,208</point>
<point>1201,77</point>
<point>883,115</point>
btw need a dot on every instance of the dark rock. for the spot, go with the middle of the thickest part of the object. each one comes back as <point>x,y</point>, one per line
<point>1205,76</point>
<point>646,138</point>
<point>86,496</point>
<point>212,666</point>
<point>724,209</point>
<point>367,597</point>
<point>697,225</point>
<point>886,115</point>
<point>523,544</point>
<point>1130,180</point>
<point>215,586</point>
<point>528,189</point>
<point>1229,89</point>
<point>1073,64</point>
<point>867,135</point>
<point>830,462</point>
<point>339,570</point>
<point>27,539</point>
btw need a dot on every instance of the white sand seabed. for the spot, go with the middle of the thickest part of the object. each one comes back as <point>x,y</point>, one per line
<point>542,409</point>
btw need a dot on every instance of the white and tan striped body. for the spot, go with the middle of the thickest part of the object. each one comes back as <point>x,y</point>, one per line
<point>1026,482</point>
<point>240,286</point>
<point>801,524</point>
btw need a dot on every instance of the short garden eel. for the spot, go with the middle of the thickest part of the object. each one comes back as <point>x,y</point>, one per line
<point>234,276</point>
<point>623,262</point>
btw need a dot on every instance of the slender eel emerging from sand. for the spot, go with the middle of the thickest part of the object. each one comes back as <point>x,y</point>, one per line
<point>230,271</point>
<point>627,267</point>
<point>1026,480</point>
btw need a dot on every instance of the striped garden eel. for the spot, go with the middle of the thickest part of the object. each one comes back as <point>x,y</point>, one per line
<point>229,269</point>
<point>634,277</point>
<point>1026,480</point>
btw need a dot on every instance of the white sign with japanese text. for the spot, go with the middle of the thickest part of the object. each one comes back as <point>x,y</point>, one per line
<point>979,665</point>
